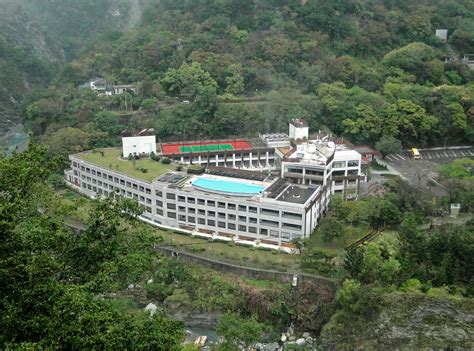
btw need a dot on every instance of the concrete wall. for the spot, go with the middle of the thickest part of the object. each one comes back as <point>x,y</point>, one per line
<point>254,273</point>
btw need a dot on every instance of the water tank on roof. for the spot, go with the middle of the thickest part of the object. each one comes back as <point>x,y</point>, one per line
<point>331,144</point>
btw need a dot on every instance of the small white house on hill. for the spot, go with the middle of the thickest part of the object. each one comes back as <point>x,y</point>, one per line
<point>139,143</point>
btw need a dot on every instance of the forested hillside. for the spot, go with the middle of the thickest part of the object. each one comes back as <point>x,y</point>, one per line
<point>36,37</point>
<point>364,69</point>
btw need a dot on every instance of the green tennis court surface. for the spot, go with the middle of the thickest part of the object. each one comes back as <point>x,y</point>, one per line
<point>205,147</point>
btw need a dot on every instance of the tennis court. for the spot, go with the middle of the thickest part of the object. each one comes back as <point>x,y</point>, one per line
<point>204,146</point>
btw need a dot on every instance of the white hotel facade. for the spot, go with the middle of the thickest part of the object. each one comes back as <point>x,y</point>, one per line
<point>286,204</point>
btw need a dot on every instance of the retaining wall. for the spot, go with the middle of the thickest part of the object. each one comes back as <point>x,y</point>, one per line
<point>254,273</point>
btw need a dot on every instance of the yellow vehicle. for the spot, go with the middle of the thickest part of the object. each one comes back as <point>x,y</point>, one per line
<point>415,153</point>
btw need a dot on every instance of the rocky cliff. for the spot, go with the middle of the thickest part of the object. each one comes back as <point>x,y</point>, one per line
<point>406,322</point>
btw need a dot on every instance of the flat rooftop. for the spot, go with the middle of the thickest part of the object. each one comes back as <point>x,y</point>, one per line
<point>111,159</point>
<point>296,194</point>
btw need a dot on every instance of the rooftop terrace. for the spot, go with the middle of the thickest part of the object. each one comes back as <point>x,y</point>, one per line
<point>111,160</point>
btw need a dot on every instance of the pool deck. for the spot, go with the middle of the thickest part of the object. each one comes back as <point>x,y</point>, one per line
<point>189,186</point>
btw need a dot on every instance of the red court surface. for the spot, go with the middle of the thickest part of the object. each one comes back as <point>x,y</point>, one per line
<point>175,148</point>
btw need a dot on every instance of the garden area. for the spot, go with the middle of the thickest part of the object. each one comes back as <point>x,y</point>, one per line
<point>145,169</point>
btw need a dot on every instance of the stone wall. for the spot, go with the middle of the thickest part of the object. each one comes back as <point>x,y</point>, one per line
<point>253,273</point>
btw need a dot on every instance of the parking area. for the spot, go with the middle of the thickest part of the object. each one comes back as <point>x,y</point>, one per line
<point>437,155</point>
<point>424,172</point>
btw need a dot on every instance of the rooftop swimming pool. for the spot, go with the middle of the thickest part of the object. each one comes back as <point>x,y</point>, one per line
<point>229,187</point>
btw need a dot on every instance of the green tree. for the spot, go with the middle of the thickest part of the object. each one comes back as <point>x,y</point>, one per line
<point>388,145</point>
<point>66,141</point>
<point>235,329</point>
<point>331,229</point>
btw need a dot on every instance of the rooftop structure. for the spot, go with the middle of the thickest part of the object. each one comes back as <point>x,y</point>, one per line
<point>299,130</point>
<point>139,143</point>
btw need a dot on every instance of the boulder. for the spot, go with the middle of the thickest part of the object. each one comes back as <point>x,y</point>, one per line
<point>306,335</point>
<point>272,347</point>
<point>283,337</point>
<point>301,342</point>
<point>149,281</point>
<point>151,308</point>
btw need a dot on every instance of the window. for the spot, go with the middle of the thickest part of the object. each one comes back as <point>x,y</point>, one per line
<point>191,210</point>
<point>211,203</point>
<point>285,235</point>
<point>221,215</point>
<point>242,219</point>
<point>142,198</point>
<point>221,224</point>
<point>353,163</point>
<point>191,200</point>
<point>134,186</point>
<point>122,182</point>
<point>263,231</point>
<point>231,226</point>
<point>201,221</point>
<point>231,217</point>
<point>201,202</point>
<point>242,228</point>
<point>252,230</point>
<point>158,203</point>
<point>292,215</point>
<point>295,170</point>
<point>148,201</point>
<point>148,191</point>
<point>159,212</point>
<point>231,206</point>
<point>181,209</point>
<point>221,204</point>
<point>269,212</point>
<point>211,213</point>
<point>157,192</point>
<point>274,233</point>
<point>252,209</point>
<point>269,223</point>
<point>252,220</point>
<point>182,218</point>
<point>292,226</point>
<point>211,222</point>
<point>148,209</point>
<point>129,185</point>
<point>242,208</point>
<point>181,199</point>
<point>201,212</point>
<point>171,214</point>
<point>339,164</point>
<point>170,196</point>
<point>141,188</point>
<point>191,219</point>
<point>171,206</point>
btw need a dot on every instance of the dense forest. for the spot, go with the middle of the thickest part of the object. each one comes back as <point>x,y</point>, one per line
<point>365,70</point>
<point>371,71</point>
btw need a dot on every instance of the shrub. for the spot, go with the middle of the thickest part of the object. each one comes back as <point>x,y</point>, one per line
<point>165,161</point>
<point>196,169</point>
<point>155,157</point>
<point>143,170</point>
<point>179,168</point>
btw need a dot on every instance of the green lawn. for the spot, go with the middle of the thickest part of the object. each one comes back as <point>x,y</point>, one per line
<point>111,161</point>
<point>235,254</point>
<point>336,246</point>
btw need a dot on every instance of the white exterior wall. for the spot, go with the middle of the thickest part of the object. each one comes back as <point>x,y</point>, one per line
<point>298,132</point>
<point>258,218</point>
<point>138,144</point>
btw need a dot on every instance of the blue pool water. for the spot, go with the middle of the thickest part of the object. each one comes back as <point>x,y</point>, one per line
<point>225,186</point>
